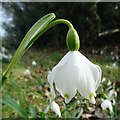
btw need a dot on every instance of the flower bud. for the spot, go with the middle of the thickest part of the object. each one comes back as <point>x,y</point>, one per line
<point>72,40</point>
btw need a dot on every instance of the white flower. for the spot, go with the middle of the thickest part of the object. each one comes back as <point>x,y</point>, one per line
<point>27,72</point>
<point>106,104</point>
<point>75,72</point>
<point>117,57</point>
<point>113,102</point>
<point>113,58</point>
<point>107,66</point>
<point>109,83</point>
<point>34,63</point>
<point>55,107</point>
<point>112,93</point>
<point>111,53</point>
<point>101,52</point>
<point>114,65</point>
<point>104,79</point>
<point>3,49</point>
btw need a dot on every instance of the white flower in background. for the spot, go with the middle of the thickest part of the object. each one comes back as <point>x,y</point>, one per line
<point>3,49</point>
<point>34,63</point>
<point>113,102</point>
<point>3,55</point>
<point>27,72</point>
<point>93,51</point>
<point>55,107</point>
<point>107,66</point>
<point>109,83</point>
<point>111,53</point>
<point>114,65</point>
<point>75,72</point>
<point>113,58</point>
<point>106,104</point>
<point>117,57</point>
<point>112,93</point>
<point>104,79</point>
<point>101,52</point>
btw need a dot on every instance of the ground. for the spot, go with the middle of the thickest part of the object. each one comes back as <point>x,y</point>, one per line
<point>34,90</point>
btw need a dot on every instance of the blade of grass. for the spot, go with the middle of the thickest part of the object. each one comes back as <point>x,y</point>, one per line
<point>65,113</point>
<point>12,104</point>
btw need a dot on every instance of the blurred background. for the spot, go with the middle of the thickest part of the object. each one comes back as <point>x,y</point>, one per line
<point>98,24</point>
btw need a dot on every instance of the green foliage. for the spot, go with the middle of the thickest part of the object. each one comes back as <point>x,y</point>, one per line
<point>10,102</point>
<point>30,93</point>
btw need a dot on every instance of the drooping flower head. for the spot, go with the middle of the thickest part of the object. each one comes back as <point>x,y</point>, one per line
<point>74,73</point>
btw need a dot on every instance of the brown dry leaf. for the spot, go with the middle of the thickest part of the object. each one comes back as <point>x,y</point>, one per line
<point>91,109</point>
<point>41,75</point>
<point>101,114</point>
<point>86,115</point>
<point>47,93</point>
<point>47,87</point>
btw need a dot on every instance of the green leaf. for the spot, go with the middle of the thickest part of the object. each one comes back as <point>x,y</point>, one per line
<point>65,113</point>
<point>32,111</point>
<point>12,104</point>
<point>81,112</point>
<point>36,31</point>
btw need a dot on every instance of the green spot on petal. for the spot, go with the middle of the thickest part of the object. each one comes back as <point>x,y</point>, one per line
<point>66,95</point>
<point>51,95</point>
<point>91,95</point>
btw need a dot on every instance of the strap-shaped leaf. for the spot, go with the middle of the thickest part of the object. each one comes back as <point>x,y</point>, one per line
<point>36,31</point>
<point>12,104</point>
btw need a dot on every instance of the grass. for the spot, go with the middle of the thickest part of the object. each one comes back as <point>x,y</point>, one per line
<point>33,90</point>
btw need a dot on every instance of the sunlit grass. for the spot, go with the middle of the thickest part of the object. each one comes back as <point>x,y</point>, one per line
<point>32,91</point>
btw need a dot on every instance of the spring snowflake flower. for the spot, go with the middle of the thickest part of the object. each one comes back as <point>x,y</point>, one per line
<point>27,72</point>
<point>75,72</point>
<point>112,93</point>
<point>104,79</point>
<point>34,63</point>
<point>55,107</point>
<point>101,52</point>
<point>109,83</point>
<point>114,65</point>
<point>106,104</point>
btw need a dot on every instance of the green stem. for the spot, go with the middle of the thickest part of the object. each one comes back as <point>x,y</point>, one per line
<point>5,74</point>
<point>60,21</point>
<point>106,97</point>
<point>52,24</point>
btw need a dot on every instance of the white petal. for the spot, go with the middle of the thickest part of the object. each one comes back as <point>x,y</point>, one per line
<point>89,76</point>
<point>27,72</point>
<point>73,72</point>
<point>106,104</point>
<point>65,77</point>
<point>92,100</point>
<point>50,80</point>
<point>56,108</point>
